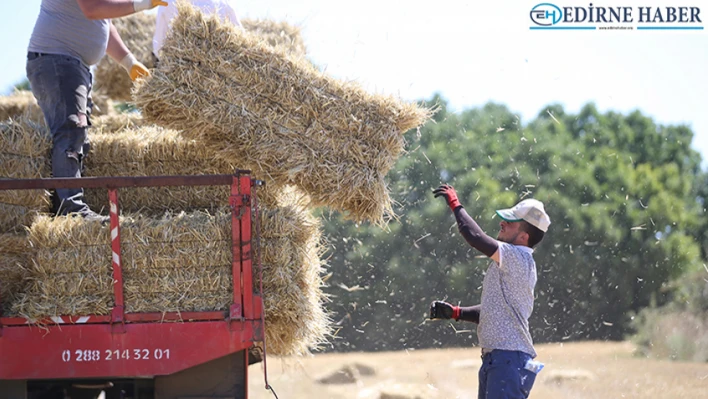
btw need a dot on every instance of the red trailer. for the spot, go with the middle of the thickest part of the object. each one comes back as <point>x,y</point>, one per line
<point>140,355</point>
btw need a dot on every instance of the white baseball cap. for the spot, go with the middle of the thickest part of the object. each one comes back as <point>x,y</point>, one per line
<point>530,210</point>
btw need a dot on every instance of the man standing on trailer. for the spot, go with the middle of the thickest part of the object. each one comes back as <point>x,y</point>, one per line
<point>69,37</point>
<point>508,370</point>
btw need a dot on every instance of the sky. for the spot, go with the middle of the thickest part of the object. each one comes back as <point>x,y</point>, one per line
<point>472,53</point>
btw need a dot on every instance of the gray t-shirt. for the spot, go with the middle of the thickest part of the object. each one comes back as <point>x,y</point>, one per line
<point>62,28</point>
<point>507,301</point>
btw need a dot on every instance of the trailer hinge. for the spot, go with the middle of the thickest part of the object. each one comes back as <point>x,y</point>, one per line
<point>117,321</point>
<point>238,202</point>
<point>235,316</point>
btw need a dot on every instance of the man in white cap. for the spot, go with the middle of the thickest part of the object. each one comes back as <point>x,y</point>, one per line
<point>508,370</point>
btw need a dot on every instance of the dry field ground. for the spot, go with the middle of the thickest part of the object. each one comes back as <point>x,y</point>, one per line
<point>588,370</point>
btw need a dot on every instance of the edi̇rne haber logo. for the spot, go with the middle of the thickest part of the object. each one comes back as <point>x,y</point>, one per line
<point>594,17</point>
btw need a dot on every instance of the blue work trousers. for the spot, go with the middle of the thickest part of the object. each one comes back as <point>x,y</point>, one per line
<point>503,375</point>
<point>62,85</point>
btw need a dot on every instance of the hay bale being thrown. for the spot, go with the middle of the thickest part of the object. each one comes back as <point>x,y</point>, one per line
<point>111,79</point>
<point>20,102</point>
<point>180,262</point>
<point>245,100</point>
<point>154,151</point>
<point>25,150</point>
<point>137,32</point>
<point>14,258</point>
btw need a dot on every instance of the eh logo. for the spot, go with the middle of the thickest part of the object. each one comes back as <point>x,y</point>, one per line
<point>546,14</point>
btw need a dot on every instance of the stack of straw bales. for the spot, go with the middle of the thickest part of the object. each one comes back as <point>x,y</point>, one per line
<point>71,272</point>
<point>236,100</point>
<point>24,154</point>
<point>243,99</point>
<point>64,267</point>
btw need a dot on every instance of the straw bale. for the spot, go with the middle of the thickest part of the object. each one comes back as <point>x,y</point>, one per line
<point>14,257</point>
<point>20,102</point>
<point>154,151</point>
<point>115,123</point>
<point>136,30</point>
<point>198,242</point>
<point>288,121</point>
<point>278,34</point>
<point>24,153</point>
<point>70,272</point>
<point>181,262</point>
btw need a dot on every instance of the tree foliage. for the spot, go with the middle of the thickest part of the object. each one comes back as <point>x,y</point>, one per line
<point>621,192</point>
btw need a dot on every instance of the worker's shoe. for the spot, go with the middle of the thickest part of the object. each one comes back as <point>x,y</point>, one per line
<point>91,216</point>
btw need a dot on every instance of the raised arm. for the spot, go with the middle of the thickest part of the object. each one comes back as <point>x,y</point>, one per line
<point>108,9</point>
<point>469,229</point>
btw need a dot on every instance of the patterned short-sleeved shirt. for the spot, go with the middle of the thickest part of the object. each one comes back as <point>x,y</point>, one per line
<point>507,301</point>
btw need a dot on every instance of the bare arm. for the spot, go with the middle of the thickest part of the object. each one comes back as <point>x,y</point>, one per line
<point>108,9</point>
<point>116,48</point>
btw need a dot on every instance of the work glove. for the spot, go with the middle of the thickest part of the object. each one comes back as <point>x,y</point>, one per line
<point>443,310</point>
<point>134,67</point>
<point>450,195</point>
<point>142,5</point>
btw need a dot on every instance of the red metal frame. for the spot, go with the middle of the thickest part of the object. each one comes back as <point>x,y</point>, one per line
<point>246,258</point>
<point>236,202</point>
<point>118,311</point>
<point>137,344</point>
<point>91,350</point>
